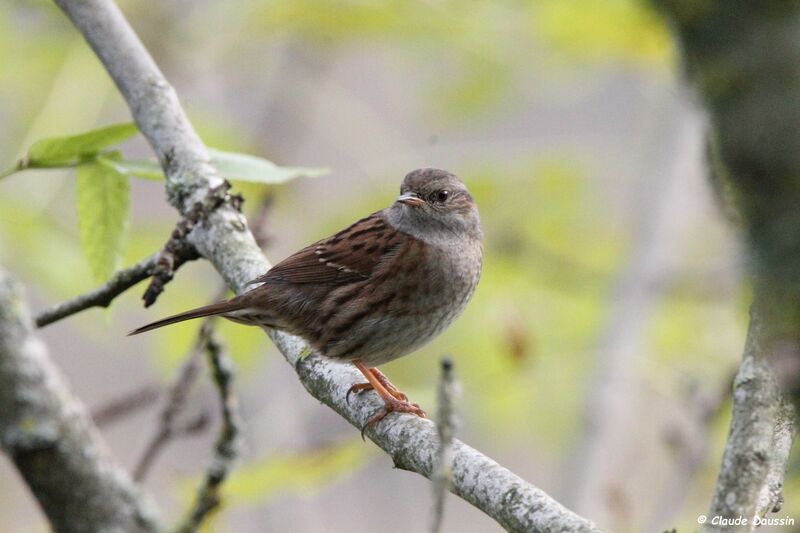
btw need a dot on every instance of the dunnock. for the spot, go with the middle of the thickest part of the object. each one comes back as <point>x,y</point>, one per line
<point>377,290</point>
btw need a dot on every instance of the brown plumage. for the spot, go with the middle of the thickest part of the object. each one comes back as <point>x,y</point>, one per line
<point>378,289</point>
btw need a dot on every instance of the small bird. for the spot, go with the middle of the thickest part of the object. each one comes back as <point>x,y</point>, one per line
<point>377,290</point>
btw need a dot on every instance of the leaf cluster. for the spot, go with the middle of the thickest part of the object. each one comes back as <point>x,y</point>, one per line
<point>103,183</point>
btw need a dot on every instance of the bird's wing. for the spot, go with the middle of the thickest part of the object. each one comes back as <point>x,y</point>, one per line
<point>351,255</point>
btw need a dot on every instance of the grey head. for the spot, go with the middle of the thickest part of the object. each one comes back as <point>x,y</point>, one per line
<point>435,206</point>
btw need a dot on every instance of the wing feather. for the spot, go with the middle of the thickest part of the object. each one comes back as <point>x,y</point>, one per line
<point>351,255</point>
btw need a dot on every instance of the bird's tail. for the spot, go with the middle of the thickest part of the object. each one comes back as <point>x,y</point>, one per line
<point>209,310</point>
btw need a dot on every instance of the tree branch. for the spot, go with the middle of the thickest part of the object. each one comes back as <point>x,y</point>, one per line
<point>225,241</point>
<point>762,430</point>
<point>49,436</point>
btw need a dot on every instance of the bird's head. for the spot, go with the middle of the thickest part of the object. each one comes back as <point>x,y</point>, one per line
<point>435,201</point>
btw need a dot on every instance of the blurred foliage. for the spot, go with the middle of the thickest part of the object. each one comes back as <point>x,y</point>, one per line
<point>606,31</point>
<point>281,475</point>
<point>483,47</point>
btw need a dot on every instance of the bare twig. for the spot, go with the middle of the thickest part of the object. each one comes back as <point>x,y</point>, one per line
<point>49,436</point>
<point>161,266</point>
<point>168,260</point>
<point>446,426</point>
<point>225,241</point>
<point>175,252</point>
<point>101,296</point>
<point>176,397</point>
<point>226,449</point>
<point>175,402</point>
<point>195,425</point>
<point>122,406</point>
<point>187,375</point>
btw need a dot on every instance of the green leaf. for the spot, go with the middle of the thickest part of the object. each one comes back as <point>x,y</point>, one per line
<point>71,148</point>
<point>242,167</point>
<point>141,168</point>
<point>103,203</point>
<point>231,165</point>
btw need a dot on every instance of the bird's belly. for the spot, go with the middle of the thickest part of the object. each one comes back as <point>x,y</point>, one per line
<point>395,336</point>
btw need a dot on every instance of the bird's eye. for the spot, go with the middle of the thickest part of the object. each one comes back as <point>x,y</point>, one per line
<point>440,196</point>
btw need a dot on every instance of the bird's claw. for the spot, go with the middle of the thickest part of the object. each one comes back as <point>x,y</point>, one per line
<point>358,388</point>
<point>393,405</point>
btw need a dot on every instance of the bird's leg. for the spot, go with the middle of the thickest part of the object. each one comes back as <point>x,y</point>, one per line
<point>381,377</point>
<point>390,388</point>
<point>392,402</point>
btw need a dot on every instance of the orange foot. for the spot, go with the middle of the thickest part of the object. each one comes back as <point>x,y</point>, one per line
<point>383,380</point>
<point>394,400</point>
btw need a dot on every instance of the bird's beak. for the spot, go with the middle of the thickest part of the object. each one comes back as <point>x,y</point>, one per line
<point>411,199</point>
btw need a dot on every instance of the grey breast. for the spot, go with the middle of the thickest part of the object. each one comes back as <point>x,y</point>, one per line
<point>443,285</point>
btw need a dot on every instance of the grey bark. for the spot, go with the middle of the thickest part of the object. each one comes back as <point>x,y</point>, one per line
<point>51,439</point>
<point>761,434</point>
<point>227,243</point>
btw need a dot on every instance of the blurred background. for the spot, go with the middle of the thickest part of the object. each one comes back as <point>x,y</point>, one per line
<point>597,354</point>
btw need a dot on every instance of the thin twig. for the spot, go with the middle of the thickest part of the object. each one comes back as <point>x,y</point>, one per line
<point>175,402</point>
<point>446,425</point>
<point>161,267</point>
<point>123,406</point>
<point>101,296</point>
<point>177,394</point>
<point>227,447</point>
<point>131,402</point>
<point>193,426</point>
